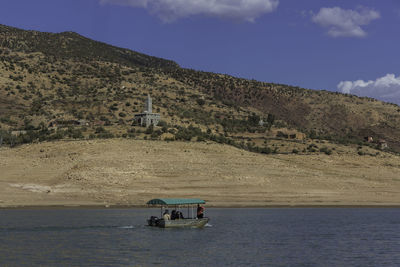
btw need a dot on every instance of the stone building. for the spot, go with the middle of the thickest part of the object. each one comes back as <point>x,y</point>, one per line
<point>382,144</point>
<point>147,118</point>
<point>369,139</point>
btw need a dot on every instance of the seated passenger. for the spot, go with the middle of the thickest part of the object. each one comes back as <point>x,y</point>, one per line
<point>174,215</point>
<point>180,215</point>
<point>200,211</point>
<point>166,216</point>
<point>177,217</point>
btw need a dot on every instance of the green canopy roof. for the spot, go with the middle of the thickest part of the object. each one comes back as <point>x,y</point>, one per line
<point>175,201</point>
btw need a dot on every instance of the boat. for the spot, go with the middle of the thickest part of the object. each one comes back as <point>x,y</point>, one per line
<point>190,219</point>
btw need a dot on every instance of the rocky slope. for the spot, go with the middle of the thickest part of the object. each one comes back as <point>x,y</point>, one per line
<point>65,76</point>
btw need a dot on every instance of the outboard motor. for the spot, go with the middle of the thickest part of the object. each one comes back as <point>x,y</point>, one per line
<point>153,221</point>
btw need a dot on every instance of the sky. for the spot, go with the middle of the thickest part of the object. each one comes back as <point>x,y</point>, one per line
<point>337,45</point>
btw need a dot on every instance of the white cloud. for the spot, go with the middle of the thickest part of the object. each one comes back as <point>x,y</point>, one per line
<point>170,10</point>
<point>386,88</point>
<point>345,22</point>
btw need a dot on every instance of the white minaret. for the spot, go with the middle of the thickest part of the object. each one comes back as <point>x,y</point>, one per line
<point>149,105</point>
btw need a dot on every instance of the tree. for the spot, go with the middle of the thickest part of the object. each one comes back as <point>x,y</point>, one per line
<point>200,101</point>
<point>150,129</point>
<point>271,119</point>
<point>253,119</point>
<point>42,127</point>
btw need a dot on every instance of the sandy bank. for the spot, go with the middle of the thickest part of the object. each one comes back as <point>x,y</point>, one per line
<point>129,172</point>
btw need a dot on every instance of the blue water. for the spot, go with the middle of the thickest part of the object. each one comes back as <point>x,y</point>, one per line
<point>235,237</point>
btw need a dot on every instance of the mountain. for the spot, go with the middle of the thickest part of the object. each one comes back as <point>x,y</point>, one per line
<point>47,77</point>
<point>72,46</point>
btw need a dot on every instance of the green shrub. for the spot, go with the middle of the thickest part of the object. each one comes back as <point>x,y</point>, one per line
<point>156,134</point>
<point>162,124</point>
<point>105,135</point>
<point>326,150</point>
<point>266,150</point>
<point>100,129</point>
<point>77,134</point>
<point>149,129</point>
<point>200,101</point>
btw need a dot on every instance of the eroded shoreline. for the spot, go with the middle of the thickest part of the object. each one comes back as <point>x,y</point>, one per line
<point>111,207</point>
<point>127,173</point>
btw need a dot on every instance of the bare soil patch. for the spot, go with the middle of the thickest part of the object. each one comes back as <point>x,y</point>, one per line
<point>130,172</point>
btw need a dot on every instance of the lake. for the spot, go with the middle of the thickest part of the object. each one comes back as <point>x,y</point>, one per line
<point>234,237</point>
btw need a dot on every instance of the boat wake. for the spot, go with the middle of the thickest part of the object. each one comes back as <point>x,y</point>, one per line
<point>127,227</point>
<point>63,228</point>
<point>208,225</point>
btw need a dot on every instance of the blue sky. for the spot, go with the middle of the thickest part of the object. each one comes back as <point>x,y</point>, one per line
<point>350,46</point>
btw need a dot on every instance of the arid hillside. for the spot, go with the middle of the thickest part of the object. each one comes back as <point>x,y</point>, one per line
<point>67,78</point>
<point>129,172</point>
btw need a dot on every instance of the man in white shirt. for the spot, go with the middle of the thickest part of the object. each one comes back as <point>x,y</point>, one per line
<point>166,216</point>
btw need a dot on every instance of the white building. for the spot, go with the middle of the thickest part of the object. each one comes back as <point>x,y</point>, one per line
<point>147,118</point>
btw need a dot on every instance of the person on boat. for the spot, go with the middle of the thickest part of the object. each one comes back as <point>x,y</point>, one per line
<point>166,216</point>
<point>174,215</point>
<point>200,211</point>
<point>180,215</point>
